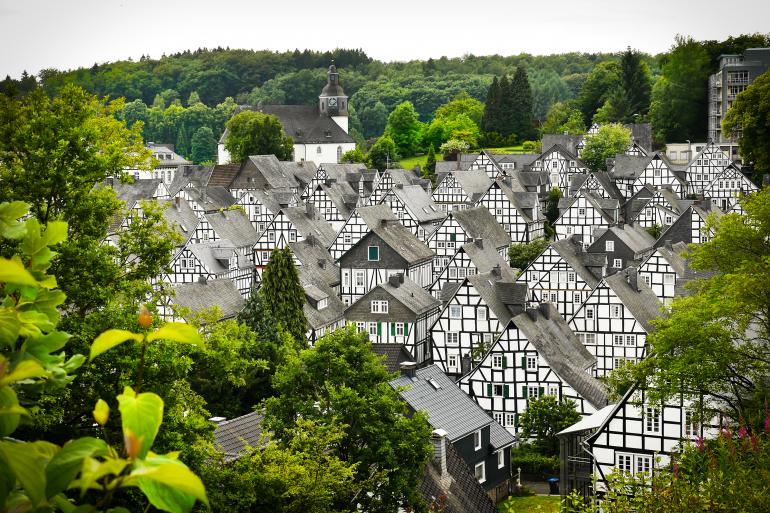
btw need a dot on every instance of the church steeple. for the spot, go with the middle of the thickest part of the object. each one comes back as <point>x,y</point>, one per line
<point>333,101</point>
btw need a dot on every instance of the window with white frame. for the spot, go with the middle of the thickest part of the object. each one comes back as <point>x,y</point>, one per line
<point>455,311</point>
<point>690,426</point>
<point>581,211</point>
<point>373,328</point>
<point>346,278</point>
<point>531,362</point>
<point>480,473</point>
<point>651,419</point>
<point>481,313</point>
<point>533,392</point>
<point>498,416</point>
<point>265,256</point>
<point>271,236</point>
<point>617,263</point>
<point>609,245</point>
<point>510,419</point>
<point>346,238</point>
<point>292,236</point>
<point>571,277</point>
<point>360,326</point>
<point>590,313</point>
<point>643,464</point>
<point>615,311</point>
<point>619,362</point>
<point>452,338</point>
<point>399,329</point>
<point>576,298</point>
<point>360,275</point>
<point>477,440</point>
<point>452,361</point>
<point>668,279</point>
<point>646,279</point>
<point>501,458</point>
<point>379,306</point>
<point>630,340</point>
<point>453,272</point>
<point>617,340</point>
<point>497,361</point>
<point>553,390</point>
<point>623,463</point>
<point>487,338</point>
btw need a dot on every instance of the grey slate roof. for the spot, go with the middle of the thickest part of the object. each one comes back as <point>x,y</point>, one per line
<point>636,203</point>
<point>316,262</point>
<point>531,179</point>
<point>447,407</point>
<point>303,171</point>
<point>636,238</point>
<point>138,190</point>
<point>401,240</point>
<point>190,175</point>
<point>635,295</point>
<point>392,355</point>
<point>303,123</point>
<point>206,252</point>
<point>180,217</point>
<point>484,257</point>
<point>479,223</point>
<point>571,250</point>
<point>232,437</point>
<point>568,358</point>
<point>473,183</point>
<point>522,160</point>
<point>310,224</point>
<point>168,151</point>
<point>411,295</point>
<point>233,225</point>
<point>270,168</point>
<point>315,288</point>
<point>342,195</point>
<point>201,295</point>
<point>641,133</point>
<point>629,166</point>
<point>372,215</point>
<point>211,198</point>
<point>570,142</point>
<point>500,292</point>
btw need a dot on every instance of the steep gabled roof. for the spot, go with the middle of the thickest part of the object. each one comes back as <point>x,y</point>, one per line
<point>473,183</point>
<point>637,239</point>
<point>315,288</point>
<point>211,198</point>
<point>234,436</point>
<point>138,190</point>
<point>400,240</point>
<point>180,217</point>
<point>409,294</point>
<point>204,294</point>
<point>310,224</point>
<point>419,203</point>
<point>479,223</point>
<point>636,203</point>
<point>499,290</point>
<point>485,256</point>
<point>635,295</point>
<point>233,225</point>
<point>316,262</point>
<point>223,174</point>
<point>190,175</point>
<point>571,250</point>
<point>303,123</point>
<point>629,167</point>
<point>392,354</point>
<point>549,333</point>
<point>569,142</point>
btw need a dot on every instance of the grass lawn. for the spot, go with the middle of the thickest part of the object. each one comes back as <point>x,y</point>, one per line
<point>409,162</point>
<point>533,503</point>
<point>508,149</point>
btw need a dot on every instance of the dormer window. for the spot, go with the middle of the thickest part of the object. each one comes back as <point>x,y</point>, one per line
<point>323,303</point>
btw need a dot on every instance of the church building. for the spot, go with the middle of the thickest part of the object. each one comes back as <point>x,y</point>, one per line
<point>320,133</point>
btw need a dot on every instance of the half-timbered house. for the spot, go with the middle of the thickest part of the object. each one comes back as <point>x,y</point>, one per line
<point>396,311</point>
<point>464,226</point>
<point>415,209</point>
<point>388,248</point>
<point>625,170</point>
<point>389,178</point>
<point>625,245</point>
<point>535,355</point>
<point>358,225</point>
<point>517,212</point>
<point>728,186</point>
<point>334,201</point>
<point>564,274</point>
<point>190,176</point>
<point>658,173</point>
<point>707,165</point>
<point>560,164</point>
<point>211,261</point>
<point>472,258</point>
<point>487,163</point>
<point>481,442</point>
<point>650,208</point>
<point>261,205</point>
<point>473,316</point>
<point>598,182</point>
<point>231,225</point>
<point>460,190</point>
<point>324,312</point>
<point>582,214</point>
<point>666,271</point>
<point>690,226</point>
<point>206,199</point>
<point>615,319</point>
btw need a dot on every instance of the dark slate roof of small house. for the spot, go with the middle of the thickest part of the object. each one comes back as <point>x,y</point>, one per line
<point>206,252</point>
<point>224,174</point>
<point>392,355</point>
<point>629,166</point>
<point>479,223</point>
<point>447,407</point>
<point>448,166</point>
<point>549,333</point>
<point>303,171</point>
<point>525,202</point>
<point>570,142</point>
<point>463,495</point>
<point>411,295</point>
<point>419,203</point>
<point>342,195</point>
<point>401,240</point>
<point>233,437</point>
<point>190,175</point>
<point>204,294</point>
<point>317,289</point>
<point>564,151</point>
<point>571,250</point>
<point>342,171</point>
<point>473,183</point>
<point>448,290</point>
<point>271,169</point>
<point>372,215</point>
<point>316,261</point>
<point>138,190</point>
<point>233,225</point>
<point>636,238</point>
<point>640,300</point>
<point>167,149</point>
<point>211,198</point>
<point>310,224</point>
<point>407,177</point>
<point>180,217</point>
<point>636,203</point>
<point>303,123</point>
<point>531,179</point>
<point>489,286</point>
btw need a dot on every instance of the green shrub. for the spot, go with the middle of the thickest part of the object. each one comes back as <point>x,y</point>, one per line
<point>534,463</point>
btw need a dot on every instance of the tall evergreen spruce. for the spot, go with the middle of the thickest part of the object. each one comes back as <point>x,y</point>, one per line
<point>636,84</point>
<point>506,124</point>
<point>283,295</point>
<point>521,115</point>
<point>491,118</point>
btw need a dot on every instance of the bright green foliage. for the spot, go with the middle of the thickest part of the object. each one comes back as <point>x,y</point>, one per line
<point>521,255</point>
<point>552,205</point>
<point>382,154</point>
<point>750,113</point>
<point>429,171</point>
<point>729,473</point>
<point>37,474</point>
<point>564,117</point>
<point>340,381</point>
<point>283,295</point>
<point>600,83</point>
<point>527,457</point>
<point>405,129</point>
<point>454,147</point>
<point>548,88</point>
<point>655,230</point>
<point>463,103</point>
<point>373,118</point>
<point>610,140</point>
<point>353,157</point>
<point>716,341</point>
<point>297,476</point>
<point>203,147</point>
<point>254,133</point>
<point>460,127</point>
<point>543,418</point>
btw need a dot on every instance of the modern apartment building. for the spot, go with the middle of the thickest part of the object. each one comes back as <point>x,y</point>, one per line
<point>736,73</point>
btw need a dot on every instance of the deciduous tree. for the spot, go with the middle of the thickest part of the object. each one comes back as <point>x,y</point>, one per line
<point>254,133</point>
<point>404,128</point>
<point>610,140</point>
<point>750,114</point>
<point>544,417</point>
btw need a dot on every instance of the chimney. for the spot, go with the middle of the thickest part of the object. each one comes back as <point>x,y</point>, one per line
<point>302,161</point>
<point>479,242</point>
<point>393,281</point>
<point>667,244</point>
<point>438,438</point>
<point>409,369</point>
<point>202,280</point>
<point>496,271</point>
<point>310,239</point>
<point>620,224</point>
<point>532,313</point>
<point>383,223</point>
<point>632,279</point>
<point>545,309</point>
<point>322,263</point>
<point>178,203</point>
<point>399,186</point>
<point>465,364</point>
<point>309,209</point>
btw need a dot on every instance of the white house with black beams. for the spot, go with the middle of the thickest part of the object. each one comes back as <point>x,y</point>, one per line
<point>707,165</point>
<point>516,211</point>
<point>728,186</point>
<point>582,214</point>
<point>357,225</point>
<point>415,209</point>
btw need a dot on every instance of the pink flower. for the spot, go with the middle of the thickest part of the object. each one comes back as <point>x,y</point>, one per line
<point>726,433</point>
<point>699,443</point>
<point>767,424</point>
<point>742,432</point>
<point>753,442</point>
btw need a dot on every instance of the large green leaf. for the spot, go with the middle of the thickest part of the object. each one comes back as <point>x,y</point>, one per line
<point>141,416</point>
<point>25,369</point>
<point>177,332</point>
<point>28,465</point>
<point>41,347</point>
<point>10,213</point>
<point>64,467</point>
<point>110,339</point>
<point>13,271</point>
<point>168,484</point>
<point>7,481</point>
<point>10,412</point>
<point>92,470</point>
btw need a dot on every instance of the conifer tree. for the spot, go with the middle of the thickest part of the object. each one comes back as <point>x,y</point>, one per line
<point>283,295</point>
<point>507,108</point>
<point>491,117</point>
<point>430,166</point>
<point>182,142</point>
<point>635,83</point>
<point>521,115</point>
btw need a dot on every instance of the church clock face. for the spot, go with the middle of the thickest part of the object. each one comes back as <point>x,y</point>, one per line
<point>332,102</point>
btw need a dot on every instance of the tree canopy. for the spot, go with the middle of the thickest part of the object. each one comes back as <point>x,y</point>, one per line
<point>750,114</point>
<point>610,140</point>
<point>255,133</point>
<point>283,295</point>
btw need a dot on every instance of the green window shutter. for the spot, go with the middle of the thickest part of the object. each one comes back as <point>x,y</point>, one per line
<point>374,253</point>
<point>515,420</point>
<point>379,328</point>
<point>523,362</point>
<point>406,329</point>
<point>505,391</point>
<point>524,392</point>
<point>505,362</point>
<point>540,392</point>
<point>452,237</point>
<point>489,389</point>
<point>392,329</point>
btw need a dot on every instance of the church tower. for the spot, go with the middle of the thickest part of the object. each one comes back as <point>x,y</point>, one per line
<point>332,101</point>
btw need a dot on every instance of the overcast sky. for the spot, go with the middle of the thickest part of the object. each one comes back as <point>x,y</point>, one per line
<point>64,34</point>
